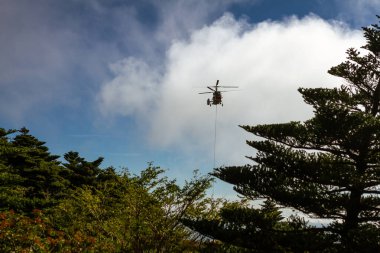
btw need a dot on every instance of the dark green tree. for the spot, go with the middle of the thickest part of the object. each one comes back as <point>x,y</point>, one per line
<point>12,193</point>
<point>327,167</point>
<point>28,170</point>
<point>242,226</point>
<point>81,172</point>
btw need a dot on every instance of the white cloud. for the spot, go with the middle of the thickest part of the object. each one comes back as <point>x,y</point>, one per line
<point>55,55</point>
<point>181,17</point>
<point>133,90</point>
<point>360,12</point>
<point>268,61</point>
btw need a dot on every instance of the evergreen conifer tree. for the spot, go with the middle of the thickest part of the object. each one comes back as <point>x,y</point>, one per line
<point>29,171</point>
<point>12,193</point>
<point>327,167</point>
<point>81,172</point>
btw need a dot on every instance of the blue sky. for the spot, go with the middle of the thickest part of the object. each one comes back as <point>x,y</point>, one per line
<point>120,79</point>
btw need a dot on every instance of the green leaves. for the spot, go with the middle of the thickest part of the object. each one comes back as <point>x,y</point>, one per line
<point>90,209</point>
<point>133,213</point>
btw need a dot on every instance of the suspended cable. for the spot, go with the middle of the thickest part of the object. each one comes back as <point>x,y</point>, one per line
<point>215,122</point>
<point>216,117</point>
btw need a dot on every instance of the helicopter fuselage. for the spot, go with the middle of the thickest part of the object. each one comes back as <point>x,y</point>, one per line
<point>216,99</point>
<point>216,94</point>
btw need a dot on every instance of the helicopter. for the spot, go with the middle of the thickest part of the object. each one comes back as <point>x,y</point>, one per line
<point>216,94</point>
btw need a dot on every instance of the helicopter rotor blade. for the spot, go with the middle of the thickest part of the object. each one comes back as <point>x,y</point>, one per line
<point>228,90</point>
<point>228,86</point>
<point>209,87</point>
<point>205,92</point>
<point>217,82</point>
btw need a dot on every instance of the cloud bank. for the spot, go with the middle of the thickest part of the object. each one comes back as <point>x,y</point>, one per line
<point>268,61</point>
<point>54,55</point>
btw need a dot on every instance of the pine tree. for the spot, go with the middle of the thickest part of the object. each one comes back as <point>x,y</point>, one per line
<point>243,226</point>
<point>12,193</point>
<point>81,172</point>
<point>30,171</point>
<point>327,167</point>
